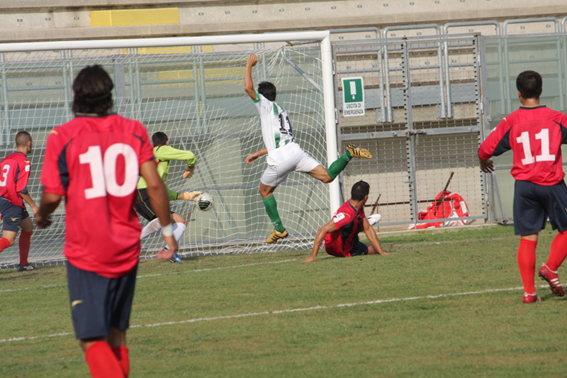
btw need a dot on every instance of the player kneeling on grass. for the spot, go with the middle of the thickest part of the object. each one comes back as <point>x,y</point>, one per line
<point>341,233</point>
<point>164,153</point>
<point>284,154</point>
<point>535,134</point>
<point>94,161</point>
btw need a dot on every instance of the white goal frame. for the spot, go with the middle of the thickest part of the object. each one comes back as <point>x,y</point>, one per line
<point>326,55</point>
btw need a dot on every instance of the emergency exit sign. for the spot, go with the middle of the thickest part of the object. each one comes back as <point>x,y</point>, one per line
<point>353,96</point>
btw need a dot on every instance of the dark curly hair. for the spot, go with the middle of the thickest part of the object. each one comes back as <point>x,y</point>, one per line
<point>93,91</point>
<point>267,90</point>
<point>360,190</point>
<point>530,85</point>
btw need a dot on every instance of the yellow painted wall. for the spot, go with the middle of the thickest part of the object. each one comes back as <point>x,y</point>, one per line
<point>130,17</point>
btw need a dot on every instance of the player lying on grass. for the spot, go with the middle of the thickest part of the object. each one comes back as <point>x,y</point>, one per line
<point>535,134</point>
<point>15,172</point>
<point>94,161</point>
<point>284,154</point>
<point>341,233</point>
<point>164,153</point>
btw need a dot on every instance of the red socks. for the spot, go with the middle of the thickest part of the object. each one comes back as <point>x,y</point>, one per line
<point>558,251</point>
<point>4,243</point>
<point>526,263</point>
<point>25,241</point>
<point>102,361</point>
<point>121,353</point>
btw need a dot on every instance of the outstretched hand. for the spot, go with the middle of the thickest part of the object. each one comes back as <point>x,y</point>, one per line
<point>250,158</point>
<point>309,259</point>
<point>252,60</point>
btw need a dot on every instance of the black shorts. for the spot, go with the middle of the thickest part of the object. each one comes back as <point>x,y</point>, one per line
<point>534,203</point>
<point>98,303</point>
<point>143,205</point>
<point>12,215</point>
<point>358,248</point>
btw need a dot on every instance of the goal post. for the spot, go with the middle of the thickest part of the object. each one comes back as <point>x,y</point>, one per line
<point>192,89</point>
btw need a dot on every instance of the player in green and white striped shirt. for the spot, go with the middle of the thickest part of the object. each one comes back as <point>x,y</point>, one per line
<point>284,154</point>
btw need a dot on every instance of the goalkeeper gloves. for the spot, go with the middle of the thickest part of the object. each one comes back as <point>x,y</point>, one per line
<point>188,172</point>
<point>191,196</point>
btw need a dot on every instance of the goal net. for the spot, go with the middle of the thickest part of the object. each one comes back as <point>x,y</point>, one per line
<point>192,89</point>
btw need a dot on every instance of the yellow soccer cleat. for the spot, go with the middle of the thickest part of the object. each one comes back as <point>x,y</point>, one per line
<point>357,152</point>
<point>275,236</point>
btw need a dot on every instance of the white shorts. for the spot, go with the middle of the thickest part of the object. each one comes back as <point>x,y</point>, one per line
<point>284,160</point>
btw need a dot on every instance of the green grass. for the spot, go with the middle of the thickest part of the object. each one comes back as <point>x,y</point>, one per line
<point>480,333</point>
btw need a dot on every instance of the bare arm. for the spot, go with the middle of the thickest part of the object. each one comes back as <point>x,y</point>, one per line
<point>371,235</point>
<point>160,204</point>
<point>319,237</point>
<point>30,202</point>
<point>255,155</point>
<point>248,83</point>
<point>47,206</point>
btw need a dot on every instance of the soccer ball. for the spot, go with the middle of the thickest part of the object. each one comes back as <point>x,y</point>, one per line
<point>206,202</point>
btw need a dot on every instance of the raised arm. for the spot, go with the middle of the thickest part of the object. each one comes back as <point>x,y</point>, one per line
<point>319,237</point>
<point>248,83</point>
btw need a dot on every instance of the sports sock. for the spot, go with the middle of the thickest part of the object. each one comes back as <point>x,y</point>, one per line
<point>4,243</point>
<point>121,353</point>
<point>526,263</point>
<point>102,361</point>
<point>24,243</point>
<point>150,228</point>
<point>558,251</point>
<point>272,209</point>
<point>338,165</point>
<point>178,230</point>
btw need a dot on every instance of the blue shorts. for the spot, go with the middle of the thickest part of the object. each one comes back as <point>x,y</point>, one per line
<point>99,303</point>
<point>12,215</point>
<point>534,203</point>
<point>358,248</point>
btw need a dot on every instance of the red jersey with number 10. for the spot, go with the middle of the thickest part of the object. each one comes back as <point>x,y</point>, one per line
<point>535,135</point>
<point>14,175</point>
<point>95,163</point>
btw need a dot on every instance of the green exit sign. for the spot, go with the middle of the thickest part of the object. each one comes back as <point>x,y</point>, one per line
<point>353,96</point>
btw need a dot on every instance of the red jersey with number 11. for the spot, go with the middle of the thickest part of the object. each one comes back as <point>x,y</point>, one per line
<point>535,135</point>
<point>95,163</point>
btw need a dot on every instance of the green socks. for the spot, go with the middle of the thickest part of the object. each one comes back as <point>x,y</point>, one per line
<point>338,165</point>
<point>272,210</point>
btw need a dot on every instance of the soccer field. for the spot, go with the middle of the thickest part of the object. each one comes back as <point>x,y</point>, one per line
<point>446,304</point>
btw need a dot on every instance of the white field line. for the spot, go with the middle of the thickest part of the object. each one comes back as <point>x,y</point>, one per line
<point>287,311</point>
<point>158,274</point>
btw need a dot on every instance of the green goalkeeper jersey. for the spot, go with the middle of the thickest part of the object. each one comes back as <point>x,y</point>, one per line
<point>164,154</point>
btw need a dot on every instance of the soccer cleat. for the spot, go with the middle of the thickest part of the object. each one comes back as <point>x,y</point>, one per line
<point>531,298</point>
<point>552,279</point>
<point>176,258</point>
<point>358,152</point>
<point>25,268</point>
<point>192,196</point>
<point>374,219</point>
<point>275,236</point>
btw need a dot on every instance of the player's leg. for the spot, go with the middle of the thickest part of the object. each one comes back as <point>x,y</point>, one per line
<point>25,242</point>
<point>117,341</point>
<point>179,227</point>
<point>272,177</point>
<point>12,218</point>
<point>151,227</point>
<point>529,219</point>
<point>87,290</point>
<point>555,203</point>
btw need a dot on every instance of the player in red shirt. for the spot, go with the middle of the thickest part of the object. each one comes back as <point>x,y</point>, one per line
<point>14,175</point>
<point>94,162</point>
<point>535,134</point>
<point>341,233</point>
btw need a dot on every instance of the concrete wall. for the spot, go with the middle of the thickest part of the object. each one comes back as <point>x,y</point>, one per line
<point>41,20</point>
